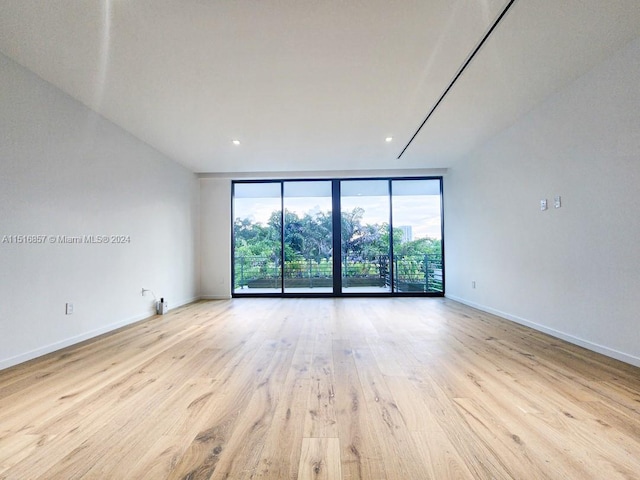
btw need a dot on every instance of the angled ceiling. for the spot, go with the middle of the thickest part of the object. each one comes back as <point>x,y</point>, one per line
<point>311,85</point>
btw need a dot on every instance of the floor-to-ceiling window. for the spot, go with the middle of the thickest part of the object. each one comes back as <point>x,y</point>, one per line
<point>257,239</point>
<point>417,236</point>
<point>338,237</point>
<point>308,237</point>
<point>365,236</point>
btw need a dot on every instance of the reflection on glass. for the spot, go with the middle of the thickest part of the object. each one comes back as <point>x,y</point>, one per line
<point>417,236</point>
<point>308,266</point>
<point>257,238</point>
<point>365,236</point>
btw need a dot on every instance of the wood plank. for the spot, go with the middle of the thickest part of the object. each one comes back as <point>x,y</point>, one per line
<point>360,450</point>
<point>320,418</point>
<point>320,459</point>
<point>440,456</point>
<point>402,457</point>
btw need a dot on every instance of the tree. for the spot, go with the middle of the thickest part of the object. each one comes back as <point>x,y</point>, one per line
<point>308,238</point>
<point>421,246</point>
<point>351,230</point>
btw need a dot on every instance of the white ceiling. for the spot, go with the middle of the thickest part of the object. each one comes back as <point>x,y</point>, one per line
<point>311,85</point>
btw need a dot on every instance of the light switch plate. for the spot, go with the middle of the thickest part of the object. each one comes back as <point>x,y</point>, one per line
<point>557,201</point>
<point>543,204</point>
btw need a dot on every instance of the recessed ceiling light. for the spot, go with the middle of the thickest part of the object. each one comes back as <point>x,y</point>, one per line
<point>388,139</point>
<point>236,142</point>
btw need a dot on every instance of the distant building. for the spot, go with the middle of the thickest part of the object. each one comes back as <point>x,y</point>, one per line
<point>407,233</point>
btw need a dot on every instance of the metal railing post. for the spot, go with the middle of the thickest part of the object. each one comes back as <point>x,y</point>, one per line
<point>426,272</point>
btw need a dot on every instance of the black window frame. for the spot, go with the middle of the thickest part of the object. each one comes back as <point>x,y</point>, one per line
<point>337,264</point>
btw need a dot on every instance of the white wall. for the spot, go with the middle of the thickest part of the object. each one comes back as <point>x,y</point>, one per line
<point>215,224</point>
<point>66,171</point>
<point>574,271</point>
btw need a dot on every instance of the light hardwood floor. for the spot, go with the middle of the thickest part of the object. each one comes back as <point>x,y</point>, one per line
<point>395,389</point>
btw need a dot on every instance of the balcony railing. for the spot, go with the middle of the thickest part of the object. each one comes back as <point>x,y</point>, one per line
<point>415,273</point>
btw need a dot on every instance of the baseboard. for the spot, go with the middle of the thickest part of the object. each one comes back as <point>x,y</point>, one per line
<point>215,297</point>
<point>595,347</point>
<point>184,302</point>
<point>68,342</point>
<point>38,352</point>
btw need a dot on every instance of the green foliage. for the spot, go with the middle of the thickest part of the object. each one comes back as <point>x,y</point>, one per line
<point>308,248</point>
<point>421,246</point>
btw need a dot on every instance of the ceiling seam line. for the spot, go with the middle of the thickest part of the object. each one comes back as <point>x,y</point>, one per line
<point>459,73</point>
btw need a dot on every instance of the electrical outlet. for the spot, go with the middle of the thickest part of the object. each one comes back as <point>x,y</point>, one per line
<point>69,308</point>
<point>543,204</point>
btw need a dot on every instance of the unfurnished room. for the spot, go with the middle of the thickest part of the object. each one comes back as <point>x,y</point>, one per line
<point>319,239</point>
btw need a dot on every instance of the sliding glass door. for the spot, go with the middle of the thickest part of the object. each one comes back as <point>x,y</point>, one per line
<point>365,240</point>
<point>338,237</point>
<point>308,237</point>
<point>257,240</point>
<point>417,236</point>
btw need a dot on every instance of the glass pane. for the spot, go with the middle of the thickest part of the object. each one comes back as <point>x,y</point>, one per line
<point>257,238</point>
<point>365,236</point>
<point>308,237</point>
<point>417,236</point>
